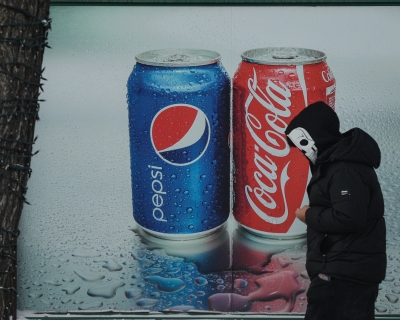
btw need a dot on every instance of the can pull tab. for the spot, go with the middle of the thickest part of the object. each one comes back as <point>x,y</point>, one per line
<point>284,55</point>
<point>177,58</point>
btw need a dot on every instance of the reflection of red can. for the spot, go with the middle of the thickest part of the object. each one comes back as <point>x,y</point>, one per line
<point>271,86</point>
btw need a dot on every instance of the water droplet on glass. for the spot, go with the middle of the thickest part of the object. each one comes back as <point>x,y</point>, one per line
<point>153,270</point>
<point>53,282</point>
<point>146,303</point>
<point>380,309</point>
<point>134,293</point>
<point>173,270</point>
<point>70,289</point>
<point>182,308</point>
<point>166,284</point>
<point>200,281</point>
<point>35,295</point>
<point>87,276</point>
<point>107,291</point>
<point>392,298</point>
<point>240,283</point>
<point>389,278</point>
<point>110,265</point>
<point>85,254</point>
<point>155,294</point>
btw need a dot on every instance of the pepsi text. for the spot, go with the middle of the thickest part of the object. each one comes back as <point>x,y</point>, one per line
<point>158,189</point>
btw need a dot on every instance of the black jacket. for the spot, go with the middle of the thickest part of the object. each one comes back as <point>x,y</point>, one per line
<point>346,233</point>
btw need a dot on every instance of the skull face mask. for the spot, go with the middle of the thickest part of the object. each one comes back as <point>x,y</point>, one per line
<point>302,140</point>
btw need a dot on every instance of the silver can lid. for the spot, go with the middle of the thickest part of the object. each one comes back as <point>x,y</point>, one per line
<point>178,57</point>
<point>283,56</point>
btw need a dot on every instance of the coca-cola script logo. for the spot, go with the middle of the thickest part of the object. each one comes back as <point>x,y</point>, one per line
<point>268,133</point>
<point>327,75</point>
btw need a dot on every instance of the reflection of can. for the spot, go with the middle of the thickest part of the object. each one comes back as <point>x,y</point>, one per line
<point>211,254</point>
<point>271,86</point>
<point>269,273</point>
<point>253,254</point>
<point>179,104</point>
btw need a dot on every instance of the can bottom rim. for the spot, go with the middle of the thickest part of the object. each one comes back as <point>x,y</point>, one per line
<point>182,236</point>
<point>270,235</point>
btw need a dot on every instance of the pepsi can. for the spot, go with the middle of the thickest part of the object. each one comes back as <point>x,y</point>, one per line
<point>179,119</point>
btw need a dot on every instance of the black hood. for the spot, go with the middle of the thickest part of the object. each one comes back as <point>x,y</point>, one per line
<point>322,124</point>
<point>356,146</point>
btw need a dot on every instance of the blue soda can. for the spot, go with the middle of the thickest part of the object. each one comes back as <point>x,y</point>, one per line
<point>179,120</point>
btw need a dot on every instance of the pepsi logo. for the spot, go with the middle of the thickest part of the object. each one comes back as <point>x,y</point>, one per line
<point>180,134</point>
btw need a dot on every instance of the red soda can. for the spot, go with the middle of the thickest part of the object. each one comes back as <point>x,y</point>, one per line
<point>270,87</point>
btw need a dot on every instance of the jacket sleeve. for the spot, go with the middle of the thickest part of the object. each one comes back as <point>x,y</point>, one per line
<point>349,196</point>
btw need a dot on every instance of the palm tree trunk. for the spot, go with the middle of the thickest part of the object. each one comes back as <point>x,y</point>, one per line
<point>23,32</point>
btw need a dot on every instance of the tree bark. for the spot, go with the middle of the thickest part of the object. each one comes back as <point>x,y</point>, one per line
<point>23,32</point>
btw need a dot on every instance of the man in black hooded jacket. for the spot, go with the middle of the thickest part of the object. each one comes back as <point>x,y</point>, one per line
<point>346,233</point>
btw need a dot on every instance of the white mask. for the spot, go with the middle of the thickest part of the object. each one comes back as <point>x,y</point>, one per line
<point>302,140</point>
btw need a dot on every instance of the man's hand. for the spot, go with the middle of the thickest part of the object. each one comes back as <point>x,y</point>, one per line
<point>301,213</point>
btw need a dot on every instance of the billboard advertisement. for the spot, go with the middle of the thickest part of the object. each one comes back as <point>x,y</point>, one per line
<point>132,208</point>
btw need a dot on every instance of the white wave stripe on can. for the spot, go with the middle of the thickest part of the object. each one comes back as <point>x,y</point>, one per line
<point>331,89</point>
<point>302,80</point>
<point>194,134</point>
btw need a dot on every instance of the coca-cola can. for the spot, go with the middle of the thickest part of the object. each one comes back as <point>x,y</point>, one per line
<point>270,87</point>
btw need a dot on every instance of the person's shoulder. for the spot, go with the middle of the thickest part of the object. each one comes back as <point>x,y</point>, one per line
<point>349,165</point>
<point>352,170</point>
